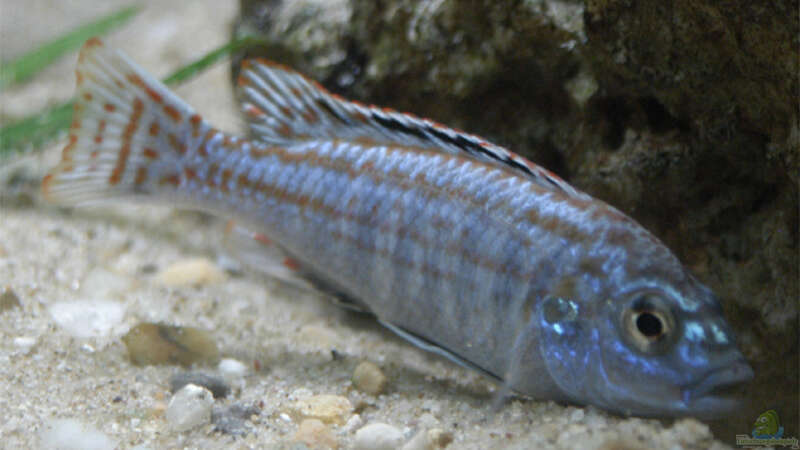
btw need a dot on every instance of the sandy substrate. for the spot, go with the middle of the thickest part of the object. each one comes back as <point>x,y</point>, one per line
<point>84,278</point>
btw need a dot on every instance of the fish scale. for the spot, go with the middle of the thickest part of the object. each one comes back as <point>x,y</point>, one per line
<point>458,245</point>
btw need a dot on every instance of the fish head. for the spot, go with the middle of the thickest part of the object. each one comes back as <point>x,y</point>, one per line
<point>767,423</point>
<point>648,351</point>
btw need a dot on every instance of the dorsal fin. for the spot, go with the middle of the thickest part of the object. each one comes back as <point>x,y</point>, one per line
<point>283,106</point>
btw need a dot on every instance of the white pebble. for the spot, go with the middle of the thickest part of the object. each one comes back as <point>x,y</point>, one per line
<point>378,436</point>
<point>85,318</point>
<point>352,423</point>
<point>69,434</point>
<point>231,369</point>
<point>101,283</point>
<point>418,442</point>
<point>190,407</point>
<point>24,343</point>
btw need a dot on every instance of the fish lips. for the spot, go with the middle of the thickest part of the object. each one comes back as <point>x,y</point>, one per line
<point>713,395</point>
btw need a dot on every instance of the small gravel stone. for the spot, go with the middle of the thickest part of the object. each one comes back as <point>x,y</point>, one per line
<point>233,419</point>
<point>327,408</point>
<point>217,386</point>
<point>189,272</point>
<point>24,343</point>
<point>232,369</point>
<point>378,436</point>
<point>368,378</point>
<point>353,422</point>
<point>190,407</point>
<point>439,438</point>
<point>155,343</point>
<point>418,442</point>
<point>316,434</point>
<point>432,439</point>
<point>88,318</point>
<point>69,434</point>
<point>8,299</point>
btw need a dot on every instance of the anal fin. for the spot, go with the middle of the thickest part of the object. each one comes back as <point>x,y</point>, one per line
<point>260,253</point>
<point>429,346</point>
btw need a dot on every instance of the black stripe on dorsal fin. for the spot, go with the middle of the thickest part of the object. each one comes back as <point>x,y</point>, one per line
<point>283,107</point>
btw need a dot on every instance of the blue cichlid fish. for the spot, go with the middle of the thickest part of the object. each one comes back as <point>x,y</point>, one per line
<point>458,245</point>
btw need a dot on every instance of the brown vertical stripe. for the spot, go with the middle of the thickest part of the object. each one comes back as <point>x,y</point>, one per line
<point>125,151</point>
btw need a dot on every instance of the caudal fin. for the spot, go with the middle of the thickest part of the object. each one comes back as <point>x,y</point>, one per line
<point>129,133</point>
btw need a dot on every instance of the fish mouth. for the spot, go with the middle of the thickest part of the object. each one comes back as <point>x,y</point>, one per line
<point>715,393</point>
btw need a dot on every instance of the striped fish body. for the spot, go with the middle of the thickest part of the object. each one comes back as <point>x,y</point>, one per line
<point>456,244</point>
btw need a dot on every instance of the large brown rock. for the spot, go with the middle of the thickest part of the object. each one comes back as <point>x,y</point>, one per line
<point>681,113</point>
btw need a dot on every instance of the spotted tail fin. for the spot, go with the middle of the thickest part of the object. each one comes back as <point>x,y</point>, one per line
<point>129,133</point>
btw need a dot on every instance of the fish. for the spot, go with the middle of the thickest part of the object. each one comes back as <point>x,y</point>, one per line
<point>767,426</point>
<point>459,246</point>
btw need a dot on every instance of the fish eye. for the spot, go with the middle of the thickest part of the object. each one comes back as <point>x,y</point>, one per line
<point>648,323</point>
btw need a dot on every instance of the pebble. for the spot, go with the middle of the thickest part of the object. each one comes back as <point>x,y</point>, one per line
<point>439,438</point>
<point>232,369</point>
<point>432,439</point>
<point>368,378</point>
<point>352,423</point>
<point>24,343</point>
<point>418,442</point>
<point>101,283</point>
<point>326,408</point>
<point>155,343</point>
<point>233,419</point>
<point>378,436</point>
<point>69,434</point>
<point>218,387</point>
<point>8,299</point>
<point>316,434</point>
<point>190,272</point>
<point>190,407</point>
<point>87,318</point>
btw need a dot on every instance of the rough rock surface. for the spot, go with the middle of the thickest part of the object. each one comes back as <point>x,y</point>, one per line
<point>684,114</point>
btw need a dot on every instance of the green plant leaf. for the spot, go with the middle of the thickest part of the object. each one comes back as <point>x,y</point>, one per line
<point>33,131</point>
<point>33,62</point>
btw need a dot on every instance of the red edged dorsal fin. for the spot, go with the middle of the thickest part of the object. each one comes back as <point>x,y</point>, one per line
<point>283,106</point>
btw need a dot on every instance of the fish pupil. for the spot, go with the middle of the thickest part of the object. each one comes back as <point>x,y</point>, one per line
<point>649,325</point>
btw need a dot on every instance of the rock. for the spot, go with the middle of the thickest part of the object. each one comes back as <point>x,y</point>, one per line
<point>326,408</point>
<point>233,419</point>
<point>8,299</point>
<point>153,343</point>
<point>432,439</point>
<point>368,378</point>
<point>24,343</point>
<point>352,423</point>
<point>87,318</point>
<point>316,434</point>
<point>218,387</point>
<point>232,369</point>
<point>71,434</point>
<point>439,438</point>
<point>189,408</point>
<point>188,272</point>
<point>378,436</point>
